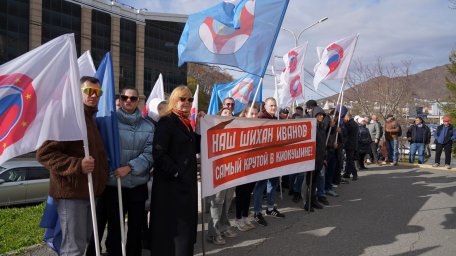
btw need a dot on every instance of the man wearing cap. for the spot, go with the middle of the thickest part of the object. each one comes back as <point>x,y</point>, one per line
<point>444,136</point>
<point>418,135</point>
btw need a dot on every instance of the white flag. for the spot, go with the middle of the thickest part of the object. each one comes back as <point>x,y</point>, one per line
<point>40,98</point>
<point>86,66</point>
<point>334,60</point>
<point>156,96</point>
<point>291,85</point>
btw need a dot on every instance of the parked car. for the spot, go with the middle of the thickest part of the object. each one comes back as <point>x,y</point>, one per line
<point>23,182</point>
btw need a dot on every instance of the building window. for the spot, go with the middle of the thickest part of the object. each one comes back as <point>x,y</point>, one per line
<point>61,17</point>
<point>14,29</point>
<point>101,35</point>
<point>160,55</point>
<point>127,76</point>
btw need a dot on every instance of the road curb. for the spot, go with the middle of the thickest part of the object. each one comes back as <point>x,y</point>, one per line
<point>428,166</point>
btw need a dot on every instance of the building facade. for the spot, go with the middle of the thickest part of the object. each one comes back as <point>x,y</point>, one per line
<point>143,44</point>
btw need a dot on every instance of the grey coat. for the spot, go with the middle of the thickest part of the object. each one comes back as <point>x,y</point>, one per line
<point>375,130</point>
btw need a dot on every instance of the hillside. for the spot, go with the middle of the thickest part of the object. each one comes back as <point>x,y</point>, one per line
<point>426,85</point>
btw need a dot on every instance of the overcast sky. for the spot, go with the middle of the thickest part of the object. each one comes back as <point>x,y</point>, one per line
<point>422,31</point>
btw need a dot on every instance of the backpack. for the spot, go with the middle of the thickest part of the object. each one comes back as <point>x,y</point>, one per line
<point>364,135</point>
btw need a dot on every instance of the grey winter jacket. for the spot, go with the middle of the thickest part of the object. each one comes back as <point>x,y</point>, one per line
<point>136,134</point>
<point>375,130</point>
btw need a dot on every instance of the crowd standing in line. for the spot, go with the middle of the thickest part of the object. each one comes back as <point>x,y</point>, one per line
<point>165,147</point>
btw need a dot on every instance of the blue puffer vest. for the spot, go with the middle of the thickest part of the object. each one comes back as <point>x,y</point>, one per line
<point>136,134</point>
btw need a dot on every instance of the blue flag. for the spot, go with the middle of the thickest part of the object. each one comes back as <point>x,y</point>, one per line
<point>106,115</point>
<point>240,35</point>
<point>241,90</point>
<point>213,108</point>
<point>50,221</point>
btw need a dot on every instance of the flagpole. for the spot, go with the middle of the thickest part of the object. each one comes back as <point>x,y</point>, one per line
<point>92,203</point>
<point>345,78</point>
<point>121,214</point>
<point>256,95</point>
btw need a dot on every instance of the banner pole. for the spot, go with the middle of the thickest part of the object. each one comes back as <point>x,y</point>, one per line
<point>256,95</point>
<point>203,230</point>
<point>121,216</point>
<point>92,203</point>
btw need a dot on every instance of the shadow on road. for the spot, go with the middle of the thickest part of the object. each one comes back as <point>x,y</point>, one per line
<point>377,215</point>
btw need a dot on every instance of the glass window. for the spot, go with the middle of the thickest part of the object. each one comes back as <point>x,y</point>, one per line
<point>61,17</point>
<point>160,55</point>
<point>127,76</point>
<point>101,35</point>
<point>12,175</point>
<point>14,29</point>
<point>37,173</point>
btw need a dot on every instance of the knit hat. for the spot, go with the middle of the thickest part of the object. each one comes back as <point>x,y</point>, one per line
<point>446,119</point>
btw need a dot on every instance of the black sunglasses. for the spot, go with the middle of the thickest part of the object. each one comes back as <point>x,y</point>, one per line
<point>125,98</point>
<point>183,99</point>
<point>229,104</point>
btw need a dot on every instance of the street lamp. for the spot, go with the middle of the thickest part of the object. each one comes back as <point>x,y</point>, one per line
<point>296,38</point>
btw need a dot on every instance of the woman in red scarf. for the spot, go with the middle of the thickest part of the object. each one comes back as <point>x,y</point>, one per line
<point>174,200</point>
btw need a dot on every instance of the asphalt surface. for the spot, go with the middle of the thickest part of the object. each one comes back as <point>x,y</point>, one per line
<point>402,210</point>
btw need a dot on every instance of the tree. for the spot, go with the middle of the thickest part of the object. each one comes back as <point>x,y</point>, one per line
<point>206,76</point>
<point>450,107</point>
<point>379,88</point>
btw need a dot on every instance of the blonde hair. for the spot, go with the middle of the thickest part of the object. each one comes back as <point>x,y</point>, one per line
<point>178,92</point>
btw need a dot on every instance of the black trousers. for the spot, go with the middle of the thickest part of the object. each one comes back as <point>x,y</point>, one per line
<point>361,159</point>
<point>312,175</point>
<point>438,152</point>
<point>243,193</point>
<point>134,200</point>
<point>350,163</point>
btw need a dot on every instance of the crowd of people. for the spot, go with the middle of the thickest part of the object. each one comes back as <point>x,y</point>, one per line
<point>164,149</point>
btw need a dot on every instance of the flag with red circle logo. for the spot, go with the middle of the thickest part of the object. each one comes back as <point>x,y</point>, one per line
<point>40,98</point>
<point>291,85</point>
<point>238,33</point>
<point>334,60</point>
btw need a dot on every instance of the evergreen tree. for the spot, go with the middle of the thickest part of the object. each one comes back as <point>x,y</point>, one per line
<point>450,108</point>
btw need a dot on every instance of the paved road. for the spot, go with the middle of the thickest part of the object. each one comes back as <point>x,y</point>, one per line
<point>388,211</point>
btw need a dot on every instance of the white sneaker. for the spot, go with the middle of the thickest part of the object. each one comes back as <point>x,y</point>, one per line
<point>218,240</point>
<point>368,161</point>
<point>239,224</point>
<point>448,166</point>
<point>248,223</point>
<point>229,233</point>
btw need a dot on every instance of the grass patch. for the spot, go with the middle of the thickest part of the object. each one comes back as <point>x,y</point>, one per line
<point>19,227</point>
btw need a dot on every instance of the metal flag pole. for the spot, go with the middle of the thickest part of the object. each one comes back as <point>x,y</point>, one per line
<point>92,203</point>
<point>121,216</point>
<point>255,96</point>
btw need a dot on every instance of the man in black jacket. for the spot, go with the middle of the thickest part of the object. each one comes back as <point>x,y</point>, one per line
<point>350,132</point>
<point>418,135</point>
<point>444,136</point>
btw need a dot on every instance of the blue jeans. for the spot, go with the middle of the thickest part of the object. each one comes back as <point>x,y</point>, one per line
<point>413,148</point>
<point>76,222</point>
<point>392,147</point>
<point>295,181</point>
<point>220,204</point>
<point>271,185</point>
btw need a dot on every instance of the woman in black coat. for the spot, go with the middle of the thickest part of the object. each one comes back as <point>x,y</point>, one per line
<point>174,205</point>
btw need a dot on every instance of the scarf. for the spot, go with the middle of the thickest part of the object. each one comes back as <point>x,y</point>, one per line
<point>184,117</point>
